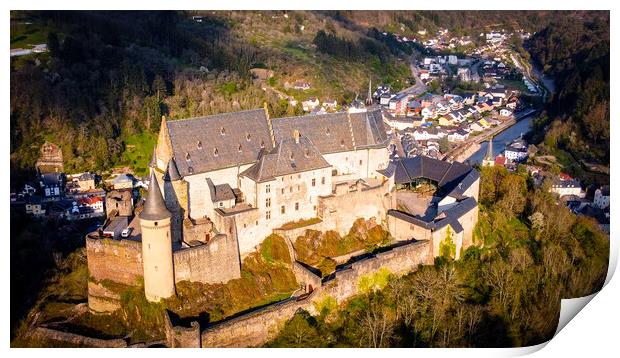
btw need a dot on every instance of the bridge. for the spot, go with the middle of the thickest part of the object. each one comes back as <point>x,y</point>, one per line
<point>473,142</point>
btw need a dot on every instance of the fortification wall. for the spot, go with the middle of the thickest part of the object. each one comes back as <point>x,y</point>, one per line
<point>76,339</point>
<point>253,329</point>
<point>102,299</point>
<point>214,262</point>
<point>398,261</point>
<point>181,337</point>
<point>258,327</point>
<point>293,234</point>
<point>116,260</point>
<point>339,212</point>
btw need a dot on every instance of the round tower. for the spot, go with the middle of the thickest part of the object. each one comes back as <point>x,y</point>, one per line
<point>156,245</point>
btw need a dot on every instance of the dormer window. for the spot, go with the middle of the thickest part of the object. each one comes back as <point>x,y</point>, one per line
<point>223,131</point>
<point>215,152</point>
<point>187,157</point>
<point>239,148</point>
<point>199,145</point>
<point>248,137</point>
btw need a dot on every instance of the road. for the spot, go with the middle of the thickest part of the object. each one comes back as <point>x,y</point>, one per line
<point>419,87</point>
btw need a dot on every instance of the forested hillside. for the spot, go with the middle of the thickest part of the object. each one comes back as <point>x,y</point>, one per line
<point>109,76</point>
<point>575,50</point>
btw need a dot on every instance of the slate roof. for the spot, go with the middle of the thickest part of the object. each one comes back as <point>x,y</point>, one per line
<point>172,172</point>
<point>219,141</point>
<point>286,158</point>
<point>449,216</point>
<point>447,175</point>
<point>332,132</point>
<point>51,179</point>
<point>220,192</point>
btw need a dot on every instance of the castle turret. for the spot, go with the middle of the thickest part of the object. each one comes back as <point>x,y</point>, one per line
<point>156,245</point>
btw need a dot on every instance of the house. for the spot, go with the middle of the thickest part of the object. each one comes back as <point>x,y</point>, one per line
<point>445,121</point>
<point>414,107</point>
<point>469,98</point>
<point>34,206</point>
<point>500,160</point>
<point>483,122</point>
<point>122,181</point>
<point>505,112</point>
<point>357,106</point>
<point>564,187</point>
<point>398,104</point>
<point>475,127</point>
<point>424,75</point>
<point>601,197</point>
<point>384,99</point>
<point>459,135</point>
<point>330,104</point>
<point>310,104</point>
<point>119,202</point>
<point>52,185</point>
<point>516,151</point>
<point>300,85</point>
<point>85,181</point>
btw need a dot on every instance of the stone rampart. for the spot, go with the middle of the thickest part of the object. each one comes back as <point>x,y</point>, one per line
<point>181,337</point>
<point>116,260</point>
<point>258,327</point>
<point>76,339</point>
<point>214,262</point>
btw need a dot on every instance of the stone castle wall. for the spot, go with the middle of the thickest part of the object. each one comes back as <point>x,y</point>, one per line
<point>340,211</point>
<point>116,260</point>
<point>258,327</point>
<point>214,262</point>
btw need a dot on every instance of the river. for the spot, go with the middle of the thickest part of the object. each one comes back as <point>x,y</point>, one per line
<point>502,140</point>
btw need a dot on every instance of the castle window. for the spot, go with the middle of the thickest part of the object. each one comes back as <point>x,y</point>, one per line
<point>296,206</point>
<point>268,202</point>
<point>334,172</point>
<point>268,188</point>
<point>223,131</point>
<point>199,145</point>
<point>187,157</point>
<point>313,182</point>
<point>298,188</point>
<point>239,148</point>
<point>155,223</point>
<point>190,170</point>
<point>322,180</point>
<point>262,144</point>
<point>215,152</point>
<point>248,137</point>
<point>268,215</point>
<point>282,190</point>
<point>282,209</point>
<point>221,204</point>
<point>292,156</point>
<point>361,162</point>
<point>290,189</point>
<point>342,142</point>
<point>327,131</point>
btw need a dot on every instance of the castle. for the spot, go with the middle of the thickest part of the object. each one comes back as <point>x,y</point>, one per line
<point>220,184</point>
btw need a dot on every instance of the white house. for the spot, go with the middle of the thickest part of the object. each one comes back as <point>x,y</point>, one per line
<point>310,104</point>
<point>601,197</point>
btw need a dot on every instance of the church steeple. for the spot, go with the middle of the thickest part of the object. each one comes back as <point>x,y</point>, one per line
<point>369,97</point>
<point>489,159</point>
<point>154,206</point>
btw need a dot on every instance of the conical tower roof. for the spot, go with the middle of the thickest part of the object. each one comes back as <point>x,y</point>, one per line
<point>154,207</point>
<point>172,172</point>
